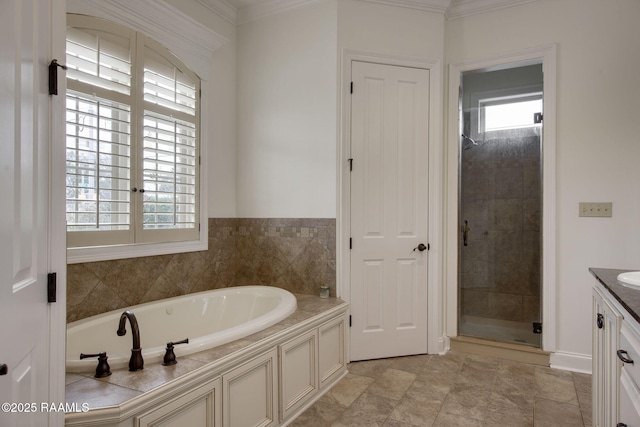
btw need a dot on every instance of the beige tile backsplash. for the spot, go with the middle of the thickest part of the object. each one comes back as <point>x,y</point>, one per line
<point>295,254</point>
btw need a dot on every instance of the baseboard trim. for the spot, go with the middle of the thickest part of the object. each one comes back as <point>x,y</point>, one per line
<point>574,362</point>
<point>500,350</point>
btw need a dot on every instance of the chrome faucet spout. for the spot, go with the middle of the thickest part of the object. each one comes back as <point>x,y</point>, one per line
<point>136,362</point>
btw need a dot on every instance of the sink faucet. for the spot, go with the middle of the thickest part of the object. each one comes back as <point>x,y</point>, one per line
<point>135,363</point>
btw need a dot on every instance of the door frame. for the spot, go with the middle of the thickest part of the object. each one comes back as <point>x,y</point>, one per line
<point>435,291</point>
<point>57,215</point>
<point>546,55</point>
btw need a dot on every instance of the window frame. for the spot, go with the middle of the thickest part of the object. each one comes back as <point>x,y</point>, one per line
<point>506,100</point>
<point>477,128</point>
<point>148,245</point>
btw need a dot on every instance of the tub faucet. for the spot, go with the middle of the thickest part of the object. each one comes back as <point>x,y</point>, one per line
<point>135,363</point>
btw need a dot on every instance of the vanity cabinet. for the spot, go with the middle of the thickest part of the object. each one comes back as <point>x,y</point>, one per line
<point>616,363</point>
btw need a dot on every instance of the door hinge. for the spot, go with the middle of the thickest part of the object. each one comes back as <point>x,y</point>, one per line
<point>53,76</point>
<point>537,327</point>
<point>350,165</point>
<point>537,118</point>
<point>349,320</point>
<point>351,89</point>
<point>350,243</point>
<point>51,287</point>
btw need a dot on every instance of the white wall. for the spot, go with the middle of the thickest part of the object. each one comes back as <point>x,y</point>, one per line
<point>286,164</point>
<point>220,113</point>
<point>598,102</point>
<point>384,29</point>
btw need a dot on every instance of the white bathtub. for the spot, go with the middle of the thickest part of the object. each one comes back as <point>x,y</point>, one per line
<point>208,319</point>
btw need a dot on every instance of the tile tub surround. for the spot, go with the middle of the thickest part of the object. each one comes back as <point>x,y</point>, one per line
<point>123,385</point>
<point>296,254</point>
<point>454,389</point>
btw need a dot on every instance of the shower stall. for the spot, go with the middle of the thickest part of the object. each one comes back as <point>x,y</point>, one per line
<point>500,205</point>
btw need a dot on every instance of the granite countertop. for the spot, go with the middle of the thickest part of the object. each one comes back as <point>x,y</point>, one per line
<point>628,297</point>
<point>122,385</point>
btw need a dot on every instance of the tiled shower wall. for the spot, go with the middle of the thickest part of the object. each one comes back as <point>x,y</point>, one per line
<point>295,254</point>
<point>501,199</point>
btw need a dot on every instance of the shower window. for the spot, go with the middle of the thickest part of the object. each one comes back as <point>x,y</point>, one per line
<point>511,112</point>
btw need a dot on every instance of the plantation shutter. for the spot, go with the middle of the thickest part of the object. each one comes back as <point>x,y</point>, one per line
<point>132,139</point>
<point>170,153</point>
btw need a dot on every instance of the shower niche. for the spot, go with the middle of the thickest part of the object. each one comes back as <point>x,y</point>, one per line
<point>500,205</point>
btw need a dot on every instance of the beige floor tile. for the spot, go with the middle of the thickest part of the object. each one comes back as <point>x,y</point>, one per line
<point>450,362</point>
<point>466,402</point>
<point>551,413</point>
<point>475,375</point>
<point>497,416</point>
<point>412,411</point>
<point>510,393</point>
<point>414,364</point>
<point>369,368</point>
<point>450,420</point>
<point>427,391</point>
<point>321,414</point>
<point>452,390</point>
<point>392,384</point>
<point>367,410</point>
<point>583,390</point>
<point>555,385</point>
<point>347,390</point>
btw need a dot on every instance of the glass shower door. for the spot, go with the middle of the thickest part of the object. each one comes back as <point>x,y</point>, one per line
<point>500,211</point>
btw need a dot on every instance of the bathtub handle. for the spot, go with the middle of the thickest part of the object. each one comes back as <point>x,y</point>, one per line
<point>103,369</point>
<point>169,355</point>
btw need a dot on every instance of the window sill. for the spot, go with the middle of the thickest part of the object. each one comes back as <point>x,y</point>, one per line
<point>107,253</point>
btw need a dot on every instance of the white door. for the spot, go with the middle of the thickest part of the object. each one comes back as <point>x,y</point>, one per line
<point>25,111</point>
<point>389,193</point>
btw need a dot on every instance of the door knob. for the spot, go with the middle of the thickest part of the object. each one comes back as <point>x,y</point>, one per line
<point>421,247</point>
<point>4,369</point>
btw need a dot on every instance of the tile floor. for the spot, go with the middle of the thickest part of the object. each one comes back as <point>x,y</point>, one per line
<point>452,390</point>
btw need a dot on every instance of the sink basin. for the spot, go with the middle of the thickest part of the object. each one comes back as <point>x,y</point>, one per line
<point>630,279</point>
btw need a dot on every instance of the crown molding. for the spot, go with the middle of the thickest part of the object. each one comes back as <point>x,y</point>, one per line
<point>191,41</point>
<point>221,8</point>
<point>270,7</point>
<point>438,6</point>
<point>462,8</point>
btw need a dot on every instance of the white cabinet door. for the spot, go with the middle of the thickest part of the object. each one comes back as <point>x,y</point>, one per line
<point>606,366</point>
<point>332,356</point>
<point>629,402</point>
<point>250,393</point>
<point>298,372</point>
<point>200,407</point>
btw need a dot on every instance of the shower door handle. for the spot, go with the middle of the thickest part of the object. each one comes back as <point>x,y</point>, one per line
<point>465,233</point>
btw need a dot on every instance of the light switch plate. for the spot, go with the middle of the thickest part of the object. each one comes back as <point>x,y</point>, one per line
<point>596,209</point>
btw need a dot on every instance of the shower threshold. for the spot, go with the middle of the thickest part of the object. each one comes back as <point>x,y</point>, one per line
<point>500,350</point>
<point>499,330</point>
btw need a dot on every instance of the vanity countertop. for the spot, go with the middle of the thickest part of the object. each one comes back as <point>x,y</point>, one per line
<point>629,298</point>
<point>122,385</point>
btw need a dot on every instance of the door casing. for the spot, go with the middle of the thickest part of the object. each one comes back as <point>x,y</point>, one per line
<point>547,56</point>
